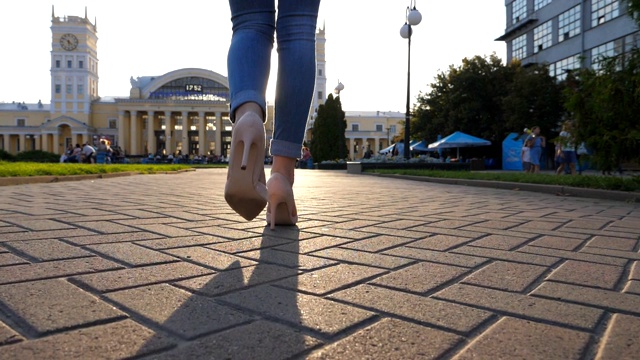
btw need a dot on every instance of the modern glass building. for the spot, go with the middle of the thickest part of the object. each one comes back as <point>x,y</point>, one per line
<point>567,34</point>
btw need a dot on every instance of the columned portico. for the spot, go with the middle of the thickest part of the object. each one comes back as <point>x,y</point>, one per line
<point>151,136</point>
<point>133,119</point>
<point>21,143</point>
<point>45,142</point>
<point>168,126</point>
<point>122,128</point>
<point>56,141</point>
<point>202,134</point>
<point>185,133</point>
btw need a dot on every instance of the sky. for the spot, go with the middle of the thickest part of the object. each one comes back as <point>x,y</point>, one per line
<point>364,49</point>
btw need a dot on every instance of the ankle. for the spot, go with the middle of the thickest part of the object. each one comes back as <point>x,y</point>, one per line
<point>284,166</point>
<point>249,107</point>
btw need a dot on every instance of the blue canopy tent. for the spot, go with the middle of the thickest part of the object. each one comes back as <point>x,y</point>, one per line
<point>421,146</point>
<point>389,148</point>
<point>457,140</point>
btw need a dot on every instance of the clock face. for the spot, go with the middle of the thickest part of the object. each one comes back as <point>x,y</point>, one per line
<point>69,42</point>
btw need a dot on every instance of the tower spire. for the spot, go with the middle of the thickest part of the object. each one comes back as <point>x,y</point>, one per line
<point>85,12</point>
<point>53,13</point>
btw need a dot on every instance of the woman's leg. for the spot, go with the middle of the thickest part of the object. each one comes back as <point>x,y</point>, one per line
<point>296,35</point>
<point>248,61</point>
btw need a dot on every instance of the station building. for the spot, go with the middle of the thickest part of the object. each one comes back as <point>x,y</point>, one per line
<point>185,110</point>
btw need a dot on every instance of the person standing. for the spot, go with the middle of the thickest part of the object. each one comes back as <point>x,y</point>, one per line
<point>526,156</point>
<point>568,148</point>
<point>254,24</point>
<point>538,143</point>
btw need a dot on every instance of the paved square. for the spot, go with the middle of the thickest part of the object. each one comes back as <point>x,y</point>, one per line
<point>158,266</point>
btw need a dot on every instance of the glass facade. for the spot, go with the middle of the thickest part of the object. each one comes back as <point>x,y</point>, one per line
<point>192,88</point>
<point>569,24</point>
<point>560,68</point>
<point>603,11</point>
<point>518,11</point>
<point>542,37</point>
<point>539,4</point>
<point>519,47</point>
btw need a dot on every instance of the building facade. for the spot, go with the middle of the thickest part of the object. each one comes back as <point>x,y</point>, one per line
<point>567,34</point>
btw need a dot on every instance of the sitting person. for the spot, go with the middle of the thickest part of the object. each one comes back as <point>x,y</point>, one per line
<point>88,153</point>
<point>75,156</point>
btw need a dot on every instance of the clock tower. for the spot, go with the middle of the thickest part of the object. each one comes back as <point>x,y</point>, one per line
<point>74,66</point>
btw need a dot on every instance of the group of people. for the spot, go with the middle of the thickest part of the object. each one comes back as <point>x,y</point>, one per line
<point>566,152</point>
<point>87,153</point>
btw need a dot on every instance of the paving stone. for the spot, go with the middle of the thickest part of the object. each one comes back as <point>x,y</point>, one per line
<point>41,224</point>
<point>437,257</point>
<point>202,223</point>
<point>108,227</point>
<point>364,258</point>
<point>506,276</point>
<point>259,340</point>
<point>613,243</point>
<point>152,221</point>
<point>378,243</point>
<point>472,234</point>
<point>227,233</point>
<point>426,310</point>
<point>179,242</point>
<point>314,313</point>
<point>513,338</point>
<point>632,287</point>
<point>440,242</point>
<point>542,224</point>
<point>10,259</point>
<point>288,259</point>
<point>53,305</point>
<point>524,231</point>
<point>507,255</point>
<point>523,306</point>
<point>128,278</point>
<point>315,244</point>
<point>556,242</point>
<point>12,229</point>
<point>324,281</point>
<point>119,340</point>
<point>635,271</point>
<point>391,339</point>
<point>590,274</point>
<point>46,250</point>
<point>237,246</point>
<point>236,278</point>
<point>605,299</point>
<point>8,336</point>
<point>421,277</point>
<point>131,254</point>
<point>210,258</point>
<point>166,230</point>
<point>631,255</point>
<point>570,255</point>
<point>405,224</point>
<point>185,314</point>
<point>411,233</point>
<point>500,242</point>
<point>53,269</point>
<point>588,224</point>
<point>112,238</point>
<point>621,340</point>
<point>354,224</point>
<point>342,233</point>
<point>452,224</point>
<point>498,224</point>
<point>35,235</point>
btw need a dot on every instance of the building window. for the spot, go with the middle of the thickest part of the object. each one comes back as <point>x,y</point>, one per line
<point>560,68</point>
<point>569,24</point>
<point>392,129</point>
<point>319,72</point>
<point>320,95</point>
<point>610,49</point>
<point>21,122</point>
<point>58,64</point>
<point>355,127</point>
<point>542,37</point>
<point>69,89</point>
<point>80,89</point>
<point>58,89</point>
<point>379,127</point>
<point>518,11</point>
<point>539,4</point>
<point>69,64</point>
<point>603,11</point>
<point>113,123</point>
<point>519,47</point>
<point>81,64</point>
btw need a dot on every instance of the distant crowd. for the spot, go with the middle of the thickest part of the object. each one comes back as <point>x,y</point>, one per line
<point>88,154</point>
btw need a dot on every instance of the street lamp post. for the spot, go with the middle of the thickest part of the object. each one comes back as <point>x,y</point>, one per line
<point>412,18</point>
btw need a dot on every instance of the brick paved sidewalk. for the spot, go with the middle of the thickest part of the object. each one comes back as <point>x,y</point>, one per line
<point>157,266</point>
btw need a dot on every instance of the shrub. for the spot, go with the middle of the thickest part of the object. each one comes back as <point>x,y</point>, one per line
<point>6,156</point>
<point>38,156</point>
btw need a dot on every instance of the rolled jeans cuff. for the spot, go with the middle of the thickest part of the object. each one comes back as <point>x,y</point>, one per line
<point>244,97</point>
<point>286,149</point>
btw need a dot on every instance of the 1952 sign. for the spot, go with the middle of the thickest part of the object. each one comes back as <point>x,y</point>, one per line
<point>193,88</point>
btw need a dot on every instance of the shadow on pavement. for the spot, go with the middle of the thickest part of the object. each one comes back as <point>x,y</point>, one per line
<point>233,313</point>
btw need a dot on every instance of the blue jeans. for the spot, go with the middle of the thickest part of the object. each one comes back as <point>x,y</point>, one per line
<point>248,63</point>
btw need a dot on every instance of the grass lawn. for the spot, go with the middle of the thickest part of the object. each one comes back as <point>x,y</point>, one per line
<point>582,181</point>
<point>11,169</point>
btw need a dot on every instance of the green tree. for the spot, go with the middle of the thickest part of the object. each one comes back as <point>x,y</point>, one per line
<point>329,128</point>
<point>633,9</point>
<point>605,104</point>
